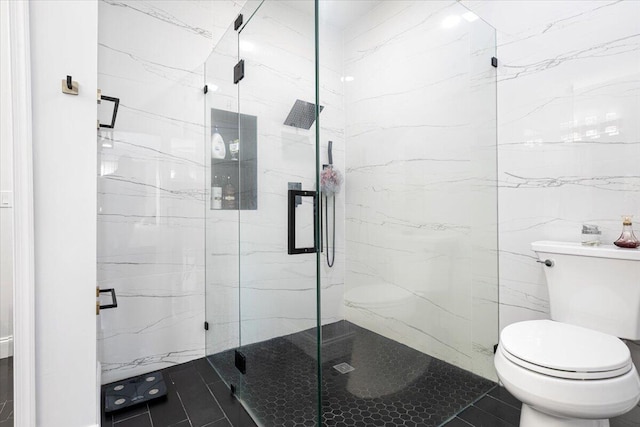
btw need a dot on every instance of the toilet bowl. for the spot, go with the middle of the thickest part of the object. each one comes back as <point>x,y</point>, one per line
<point>573,370</point>
<point>566,375</point>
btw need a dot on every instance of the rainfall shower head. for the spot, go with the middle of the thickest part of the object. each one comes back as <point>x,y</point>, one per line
<point>302,115</point>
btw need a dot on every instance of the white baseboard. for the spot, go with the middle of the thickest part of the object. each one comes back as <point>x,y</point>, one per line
<point>6,346</point>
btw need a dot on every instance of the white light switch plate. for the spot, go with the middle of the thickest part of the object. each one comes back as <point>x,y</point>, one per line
<point>6,199</point>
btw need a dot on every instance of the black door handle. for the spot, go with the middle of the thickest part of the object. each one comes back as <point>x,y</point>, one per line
<point>114,301</point>
<point>292,250</point>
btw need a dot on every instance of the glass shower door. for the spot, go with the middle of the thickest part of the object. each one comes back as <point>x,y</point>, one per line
<point>277,277</point>
<point>420,288</point>
<point>264,168</point>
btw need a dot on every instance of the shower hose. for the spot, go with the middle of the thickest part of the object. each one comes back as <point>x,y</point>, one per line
<point>330,258</point>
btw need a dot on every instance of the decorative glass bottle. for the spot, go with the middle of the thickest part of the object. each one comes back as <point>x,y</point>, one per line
<point>234,148</point>
<point>229,196</point>
<point>216,193</point>
<point>627,239</point>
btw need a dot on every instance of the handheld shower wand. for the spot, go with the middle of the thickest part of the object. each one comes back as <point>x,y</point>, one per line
<point>330,181</point>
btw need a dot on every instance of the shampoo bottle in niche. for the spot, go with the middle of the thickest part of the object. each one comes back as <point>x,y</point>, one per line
<point>218,149</point>
<point>216,193</point>
<point>627,239</point>
<point>229,196</point>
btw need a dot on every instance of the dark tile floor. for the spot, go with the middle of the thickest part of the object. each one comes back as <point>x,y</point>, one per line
<point>391,385</point>
<point>6,392</point>
<point>196,397</point>
<point>500,409</point>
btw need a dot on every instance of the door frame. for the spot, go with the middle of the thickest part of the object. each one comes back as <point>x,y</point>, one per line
<point>24,378</point>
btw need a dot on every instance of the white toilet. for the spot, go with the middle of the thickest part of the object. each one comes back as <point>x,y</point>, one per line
<point>573,370</point>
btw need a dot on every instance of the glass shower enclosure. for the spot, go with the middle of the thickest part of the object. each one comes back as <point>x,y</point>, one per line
<point>396,100</point>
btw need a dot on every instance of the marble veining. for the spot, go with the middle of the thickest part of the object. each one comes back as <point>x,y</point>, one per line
<point>418,268</point>
<point>161,70</point>
<point>267,293</point>
<point>609,183</point>
<point>151,186</point>
<point>160,14</point>
<point>409,325</point>
<point>628,44</point>
<point>568,87</point>
<point>150,363</point>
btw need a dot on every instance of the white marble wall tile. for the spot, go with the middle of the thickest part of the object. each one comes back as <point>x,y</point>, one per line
<point>272,293</point>
<point>150,250</point>
<point>420,194</point>
<point>568,88</point>
<point>151,188</point>
<point>160,30</point>
<point>566,68</point>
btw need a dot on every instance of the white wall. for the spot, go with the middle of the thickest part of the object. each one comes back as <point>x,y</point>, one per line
<point>64,41</point>
<point>6,186</point>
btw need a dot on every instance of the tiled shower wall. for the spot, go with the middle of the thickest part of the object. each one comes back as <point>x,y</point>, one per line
<point>153,196</point>
<point>151,180</point>
<point>272,293</point>
<point>569,135</point>
<point>568,96</point>
<point>420,193</point>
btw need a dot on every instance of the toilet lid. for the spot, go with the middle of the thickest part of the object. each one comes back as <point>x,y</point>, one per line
<point>564,350</point>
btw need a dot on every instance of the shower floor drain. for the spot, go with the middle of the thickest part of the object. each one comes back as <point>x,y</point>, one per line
<point>344,368</point>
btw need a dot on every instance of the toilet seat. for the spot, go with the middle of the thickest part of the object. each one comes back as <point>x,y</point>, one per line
<point>565,351</point>
<point>569,399</point>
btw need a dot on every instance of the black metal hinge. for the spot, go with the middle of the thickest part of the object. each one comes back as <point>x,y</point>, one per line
<point>238,71</point>
<point>238,22</point>
<point>241,362</point>
<point>206,88</point>
<point>495,348</point>
<point>206,326</point>
<point>494,61</point>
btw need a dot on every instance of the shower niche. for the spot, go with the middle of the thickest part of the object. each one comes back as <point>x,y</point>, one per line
<point>234,161</point>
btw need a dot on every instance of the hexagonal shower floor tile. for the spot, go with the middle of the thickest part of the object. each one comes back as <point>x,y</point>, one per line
<point>391,384</point>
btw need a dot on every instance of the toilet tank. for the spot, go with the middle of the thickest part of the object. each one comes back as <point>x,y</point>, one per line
<point>597,287</point>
